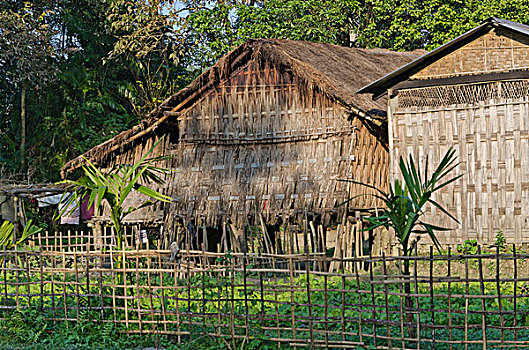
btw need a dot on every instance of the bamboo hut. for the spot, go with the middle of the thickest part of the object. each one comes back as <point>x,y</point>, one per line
<point>265,133</point>
<point>472,94</point>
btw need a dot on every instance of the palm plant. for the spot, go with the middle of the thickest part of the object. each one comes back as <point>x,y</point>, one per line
<point>8,238</point>
<point>7,234</point>
<point>404,208</point>
<point>405,201</point>
<point>115,186</point>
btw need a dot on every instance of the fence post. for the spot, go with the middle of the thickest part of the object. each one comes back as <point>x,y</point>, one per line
<point>515,305</point>
<point>449,274</point>
<point>498,289</point>
<point>309,301</point>
<point>483,306</point>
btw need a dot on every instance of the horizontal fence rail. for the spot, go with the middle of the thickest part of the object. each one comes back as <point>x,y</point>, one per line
<point>445,302</point>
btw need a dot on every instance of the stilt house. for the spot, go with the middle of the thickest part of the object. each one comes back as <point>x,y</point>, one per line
<point>269,130</point>
<point>471,94</point>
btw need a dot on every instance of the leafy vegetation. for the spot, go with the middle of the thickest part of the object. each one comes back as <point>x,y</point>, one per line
<point>405,201</point>
<point>470,246</point>
<point>404,208</point>
<point>426,24</point>
<point>76,73</point>
<point>8,239</point>
<point>116,186</point>
<point>212,295</point>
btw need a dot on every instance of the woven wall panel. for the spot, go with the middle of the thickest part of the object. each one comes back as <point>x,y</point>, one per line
<point>492,141</point>
<point>496,51</point>
<point>436,96</point>
<point>261,142</point>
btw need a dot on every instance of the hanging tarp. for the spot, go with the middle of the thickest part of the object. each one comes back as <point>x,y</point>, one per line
<point>70,215</point>
<point>49,200</point>
<point>87,212</point>
<point>7,208</point>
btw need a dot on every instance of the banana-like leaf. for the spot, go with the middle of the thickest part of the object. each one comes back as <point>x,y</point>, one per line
<point>153,193</point>
<point>7,230</point>
<point>115,186</point>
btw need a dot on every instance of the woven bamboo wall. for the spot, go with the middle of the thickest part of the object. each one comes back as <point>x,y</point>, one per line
<point>496,51</point>
<point>263,141</point>
<point>491,137</point>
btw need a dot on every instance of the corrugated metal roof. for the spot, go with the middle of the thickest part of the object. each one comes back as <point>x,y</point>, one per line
<point>380,86</point>
<point>518,27</point>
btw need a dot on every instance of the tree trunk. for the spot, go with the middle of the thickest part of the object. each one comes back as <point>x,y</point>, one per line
<point>115,216</point>
<point>23,126</point>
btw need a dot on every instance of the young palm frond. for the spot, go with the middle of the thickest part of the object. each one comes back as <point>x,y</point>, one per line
<point>115,186</point>
<point>404,202</point>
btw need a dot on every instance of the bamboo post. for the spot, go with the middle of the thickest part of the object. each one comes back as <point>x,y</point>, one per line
<point>66,316</point>
<point>309,302</point>
<point>417,303</point>
<point>313,237</point>
<point>326,311</point>
<point>386,299</point>
<point>373,301</point>
<point>291,269</point>
<point>225,237</point>
<point>482,297</point>
<point>113,284</point>
<point>515,292</point>
<point>449,291</point>
<point>138,303</point>
<point>498,290</point>
<point>41,268</point>
<point>401,306</point>
<point>245,290</point>
<point>125,297</point>
<point>76,269</point>
<point>432,298</point>
<point>28,285</point>
<point>337,250</point>
<point>266,238</point>
<point>232,300</point>
<point>467,287</point>
<point>175,286</point>
<point>359,301</point>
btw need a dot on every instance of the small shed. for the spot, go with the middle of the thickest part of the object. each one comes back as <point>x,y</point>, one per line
<point>266,131</point>
<point>472,94</point>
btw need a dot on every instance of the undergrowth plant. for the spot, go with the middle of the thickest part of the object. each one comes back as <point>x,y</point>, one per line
<point>8,238</point>
<point>115,186</point>
<point>404,206</point>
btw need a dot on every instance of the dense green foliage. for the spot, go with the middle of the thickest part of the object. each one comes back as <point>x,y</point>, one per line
<point>426,24</point>
<point>29,329</point>
<point>76,73</point>
<point>226,24</point>
<point>211,296</point>
<point>95,94</point>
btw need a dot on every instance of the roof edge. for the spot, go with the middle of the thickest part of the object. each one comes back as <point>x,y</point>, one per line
<point>380,86</point>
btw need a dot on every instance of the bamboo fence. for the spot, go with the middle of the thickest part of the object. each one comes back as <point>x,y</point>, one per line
<point>448,302</point>
<point>343,241</point>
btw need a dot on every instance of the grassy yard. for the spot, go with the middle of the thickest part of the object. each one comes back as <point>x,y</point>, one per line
<point>264,306</point>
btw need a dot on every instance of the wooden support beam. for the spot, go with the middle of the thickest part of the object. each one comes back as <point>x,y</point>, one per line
<point>459,80</point>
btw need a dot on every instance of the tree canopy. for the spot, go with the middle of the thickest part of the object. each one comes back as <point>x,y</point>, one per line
<point>76,73</point>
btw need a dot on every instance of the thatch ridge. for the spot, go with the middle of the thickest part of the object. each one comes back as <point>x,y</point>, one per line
<point>335,71</point>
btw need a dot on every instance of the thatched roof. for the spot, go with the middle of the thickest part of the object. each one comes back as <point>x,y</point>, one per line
<point>333,70</point>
